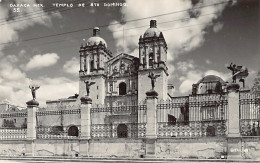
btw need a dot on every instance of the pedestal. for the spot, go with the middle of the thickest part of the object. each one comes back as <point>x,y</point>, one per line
<point>233,110</point>
<point>150,148</point>
<point>86,104</point>
<point>233,135</point>
<point>234,148</point>
<point>151,130</point>
<point>31,126</point>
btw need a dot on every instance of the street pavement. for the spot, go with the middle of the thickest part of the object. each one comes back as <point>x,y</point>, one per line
<point>23,159</point>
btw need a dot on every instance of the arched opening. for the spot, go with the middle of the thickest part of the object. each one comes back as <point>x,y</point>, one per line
<point>122,88</point>
<point>122,131</point>
<point>91,65</point>
<point>73,131</point>
<point>210,131</point>
<point>151,60</point>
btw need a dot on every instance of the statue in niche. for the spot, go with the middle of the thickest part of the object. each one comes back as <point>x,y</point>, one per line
<point>153,79</point>
<point>88,84</point>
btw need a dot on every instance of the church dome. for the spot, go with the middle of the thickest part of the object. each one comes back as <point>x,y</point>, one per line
<point>207,85</point>
<point>210,79</point>
<point>96,39</point>
<point>152,30</point>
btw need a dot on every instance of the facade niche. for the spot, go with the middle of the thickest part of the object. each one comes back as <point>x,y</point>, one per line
<point>122,88</point>
<point>91,65</point>
<point>151,60</point>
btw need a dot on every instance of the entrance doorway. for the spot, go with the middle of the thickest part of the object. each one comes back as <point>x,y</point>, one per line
<point>122,131</point>
<point>73,131</point>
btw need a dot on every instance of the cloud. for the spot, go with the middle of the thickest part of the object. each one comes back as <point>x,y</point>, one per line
<point>191,78</point>
<point>217,27</point>
<point>208,61</point>
<point>13,80</point>
<point>40,61</point>
<point>12,25</point>
<point>72,66</point>
<point>185,66</point>
<point>183,31</point>
<point>53,88</point>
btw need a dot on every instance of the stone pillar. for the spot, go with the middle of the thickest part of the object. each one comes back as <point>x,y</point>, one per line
<point>233,133</point>
<point>141,54</point>
<point>88,63</point>
<point>95,60</point>
<point>233,110</point>
<point>31,126</point>
<point>155,54</point>
<point>151,115</point>
<point>85,121</point>
<point>146,57</point>
<point>81,61</point>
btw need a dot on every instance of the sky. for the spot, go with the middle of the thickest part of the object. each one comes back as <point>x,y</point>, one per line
<point>40,44</point>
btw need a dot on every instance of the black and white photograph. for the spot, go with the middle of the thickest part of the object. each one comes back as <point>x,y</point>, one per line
<point>129,81</point>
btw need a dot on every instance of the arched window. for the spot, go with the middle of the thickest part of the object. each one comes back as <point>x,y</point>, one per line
<point>122,88</point>
<point>158,56</point>
<point>73,131</point>
<point>151,60</point>
<point>122,131</point>
<point>91,65</point>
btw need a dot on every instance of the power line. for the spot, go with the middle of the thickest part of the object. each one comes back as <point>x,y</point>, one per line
<point>185,19</point>
<point>80,30</point>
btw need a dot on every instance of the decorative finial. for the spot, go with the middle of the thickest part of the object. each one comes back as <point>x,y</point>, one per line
<point>153,23</point>
<point>238,72</point>
<point>96,31</point>
<point>33,88</point>
<point>88,84</point>
<point>153,78</point>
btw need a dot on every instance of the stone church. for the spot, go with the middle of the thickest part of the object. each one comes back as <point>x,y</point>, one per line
<point>121,79</point>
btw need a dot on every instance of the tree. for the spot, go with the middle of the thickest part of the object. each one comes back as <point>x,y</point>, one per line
<point>256,87</point>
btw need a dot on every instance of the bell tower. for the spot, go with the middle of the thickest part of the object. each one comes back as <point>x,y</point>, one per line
<point>93,56</point>
<point>153,58</point>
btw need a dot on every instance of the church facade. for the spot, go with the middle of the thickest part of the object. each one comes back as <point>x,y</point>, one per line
<point>121,79</point>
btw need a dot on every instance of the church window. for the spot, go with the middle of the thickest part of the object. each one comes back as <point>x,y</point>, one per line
<point>97,86</point>
<point>151,60</point>
<point>91,65</point>
<point>97,96</point>
<point>14,120</point>
<point>122,88</point>
<point>133,86</point>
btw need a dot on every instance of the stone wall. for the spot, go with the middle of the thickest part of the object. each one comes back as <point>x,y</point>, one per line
<point>12,148</point>
<point>56,147</point>
<point>116,148</point>
<point>203,148</point>
<point>251,148</point>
